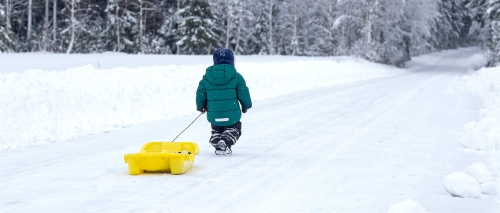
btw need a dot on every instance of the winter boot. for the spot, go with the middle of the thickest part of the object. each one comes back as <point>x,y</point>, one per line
<point>223,149</point>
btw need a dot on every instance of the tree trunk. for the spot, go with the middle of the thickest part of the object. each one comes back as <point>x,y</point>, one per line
<point>46,26</point>
<point>30,8</point>
<point>117,25</point>
<point>7,14</point>
<point>54,20</point>
<point>271,51</point>
<point>294,37</point>
<point>72,27</point>
<point>140,26</point>
<point>330,26</point>
<point>178,22</point>
<point>343,45</point>
<point>240,23</point>
<point>368,26</point>
<point>228,23</point>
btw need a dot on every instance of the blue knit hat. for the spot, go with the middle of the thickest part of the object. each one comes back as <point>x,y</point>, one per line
<point>223,56</point>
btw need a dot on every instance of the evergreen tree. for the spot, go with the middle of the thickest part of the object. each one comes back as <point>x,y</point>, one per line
<point>257,41</point>
<point>196,30</point>
<point>493,42</point>
<point>477,13</point>
<point>5,40</point>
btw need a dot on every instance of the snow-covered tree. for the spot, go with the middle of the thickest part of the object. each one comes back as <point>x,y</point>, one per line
<point>5,41</point>
<point>493,42</point>
<point>196,31</point>
<point>350,24</point>
<point>477,12</point>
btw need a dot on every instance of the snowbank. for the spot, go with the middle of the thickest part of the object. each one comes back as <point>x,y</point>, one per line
<point>39,107</point>
<point>460,184</point>
<point>475,180</point>
<point>408,206</point>
<point>485,133</point>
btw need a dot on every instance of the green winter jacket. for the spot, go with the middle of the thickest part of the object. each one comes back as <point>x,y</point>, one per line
<point>219,92</point>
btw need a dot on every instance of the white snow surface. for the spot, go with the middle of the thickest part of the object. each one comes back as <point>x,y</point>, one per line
<point>353,147</point>
<point>460,184</point>
<point>480,172</point>
<point>490,188</point>
<point>39,107</point>
<point>407,206</point>
<point>484,134</point>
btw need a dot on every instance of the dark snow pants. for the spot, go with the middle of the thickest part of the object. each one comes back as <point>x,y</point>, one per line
<point>230,134</point>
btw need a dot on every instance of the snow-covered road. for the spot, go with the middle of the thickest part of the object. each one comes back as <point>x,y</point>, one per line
<point>358,147</point>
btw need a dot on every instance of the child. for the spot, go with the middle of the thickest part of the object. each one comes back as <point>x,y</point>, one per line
<point>218,94</point>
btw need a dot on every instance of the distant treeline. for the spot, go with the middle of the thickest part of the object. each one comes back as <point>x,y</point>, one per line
<point>385,31</point>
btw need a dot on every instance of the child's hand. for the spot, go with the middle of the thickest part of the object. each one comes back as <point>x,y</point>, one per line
<point>203,110</point>
<point>244,110</point>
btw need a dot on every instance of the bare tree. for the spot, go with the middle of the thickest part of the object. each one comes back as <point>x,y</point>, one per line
<point>117,23</point>
<point>229,11</point>
<point>54,22</point>
<point>46,26</point>
<point>30,9</point>
<point>7,15</point>
<point>294,36</point>
<point>178,20</point>
<point>240,24</point>
<point>271,47</point>
<point>368,31</point>
<point>70,47</point>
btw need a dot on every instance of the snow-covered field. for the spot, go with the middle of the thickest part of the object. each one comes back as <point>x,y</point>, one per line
<point>324,135</point>
<point>40,107</point>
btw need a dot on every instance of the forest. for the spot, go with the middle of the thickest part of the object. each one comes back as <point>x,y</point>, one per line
<point>383,31</point>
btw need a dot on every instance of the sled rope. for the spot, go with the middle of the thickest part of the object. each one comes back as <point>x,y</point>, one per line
<point>187,127</point>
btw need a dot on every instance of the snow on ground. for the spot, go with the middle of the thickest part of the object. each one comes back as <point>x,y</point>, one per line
<point>38,107</point>
<point>407,206</point>
<point>20,62</point>
<point>484,134</point>
<point>362,146</point>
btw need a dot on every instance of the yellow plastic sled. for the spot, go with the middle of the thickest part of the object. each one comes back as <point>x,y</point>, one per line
<point>174,157</point>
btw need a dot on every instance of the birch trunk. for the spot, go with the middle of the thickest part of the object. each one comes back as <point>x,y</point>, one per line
<point>46,26</point>
<point>343,45</point>
<point>7,14</point>
<point>240,23</point>
<point>140,26</point>
<point>368,26</point>
<point>271,52</point>
<point>54,20</point>
<point>330,26</point>
<point>117,24</point>
<point>72,27</point>
<point>228,24</point>
<point>178,22</point>
<point>294,37</point>
<point>30,8</point>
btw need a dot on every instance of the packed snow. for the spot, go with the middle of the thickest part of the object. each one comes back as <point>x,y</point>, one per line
<point>460,184</point>
<point>39,107</point>
<point>407,206</point>
<point>484,134</point>
<point>349,146</point>
<point>480,172</point>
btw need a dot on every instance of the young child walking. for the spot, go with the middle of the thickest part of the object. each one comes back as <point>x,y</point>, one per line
<point>220,93</point>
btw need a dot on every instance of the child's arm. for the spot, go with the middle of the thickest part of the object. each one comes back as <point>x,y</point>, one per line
<point>243,94</point>
<point>201,97</point>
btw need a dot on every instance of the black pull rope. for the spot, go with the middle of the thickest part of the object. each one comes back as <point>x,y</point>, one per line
<point>188,126</point>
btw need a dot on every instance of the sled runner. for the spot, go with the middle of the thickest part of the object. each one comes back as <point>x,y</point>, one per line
<point>174,157</point>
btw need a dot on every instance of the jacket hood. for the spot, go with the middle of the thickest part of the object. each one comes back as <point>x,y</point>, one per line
<point>223,56</point>
<point>220,74</point>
